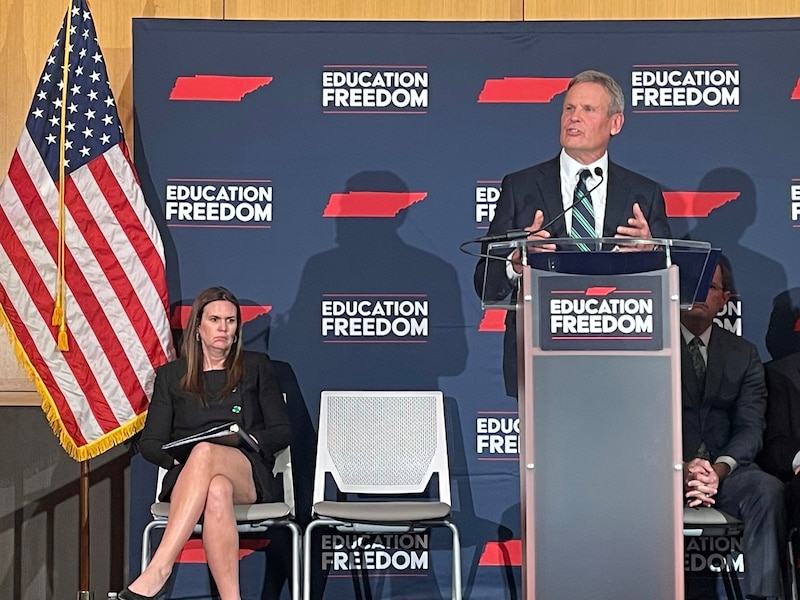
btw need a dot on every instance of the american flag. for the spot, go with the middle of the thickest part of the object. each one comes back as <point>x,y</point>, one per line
<point>105,242</point>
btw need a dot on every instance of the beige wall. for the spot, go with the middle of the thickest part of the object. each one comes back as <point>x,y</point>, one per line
<point>30,26</point>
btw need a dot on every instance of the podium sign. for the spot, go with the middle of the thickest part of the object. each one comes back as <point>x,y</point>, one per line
<point>613,312</point>
<point>599,391</point>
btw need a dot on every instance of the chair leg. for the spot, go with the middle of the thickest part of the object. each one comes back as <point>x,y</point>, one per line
<point>296,559</point>
<point>791,567</point>
<point>730,579</point>
<point>361,589</point>
<point>306,562</point>
<point>455,592</point>
<point>146,552</point>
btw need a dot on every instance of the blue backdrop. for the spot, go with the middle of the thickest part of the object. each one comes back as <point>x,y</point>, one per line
<point>327,173</point>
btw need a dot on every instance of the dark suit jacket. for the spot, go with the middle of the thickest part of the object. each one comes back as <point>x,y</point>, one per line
<point>539,188</point>
<point>256,404</point>
<point>782,436</point>
<point>728,416</point>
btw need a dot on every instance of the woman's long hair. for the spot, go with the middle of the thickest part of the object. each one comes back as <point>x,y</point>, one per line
<point>192,350</point>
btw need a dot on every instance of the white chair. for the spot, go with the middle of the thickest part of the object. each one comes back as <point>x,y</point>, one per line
<point>250,518</point>
<point>382,444</point>
<point>711,522</point>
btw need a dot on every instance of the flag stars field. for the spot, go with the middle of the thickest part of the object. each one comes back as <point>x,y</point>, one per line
<point>75,233</point>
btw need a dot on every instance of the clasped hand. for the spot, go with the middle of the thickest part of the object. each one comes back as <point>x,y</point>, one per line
<point>700,482</point>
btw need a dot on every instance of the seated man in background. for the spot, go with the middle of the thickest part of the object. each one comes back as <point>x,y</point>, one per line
<point>724,400</point>
<point>781,453</point>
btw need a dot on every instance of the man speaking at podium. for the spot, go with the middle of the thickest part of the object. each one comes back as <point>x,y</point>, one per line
<point>579,193</point>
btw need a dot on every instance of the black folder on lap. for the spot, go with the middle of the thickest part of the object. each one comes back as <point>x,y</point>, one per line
<point>229,434</point>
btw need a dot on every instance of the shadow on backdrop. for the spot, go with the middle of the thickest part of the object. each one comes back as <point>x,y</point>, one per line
<point>783,334</point>
<point>372,261</point>
<point>278,556</point>
<point>757,277</point>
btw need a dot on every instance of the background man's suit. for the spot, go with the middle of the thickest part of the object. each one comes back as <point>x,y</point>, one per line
<point>728,417</point>
<point>782,436</point>
<point>539,188</point>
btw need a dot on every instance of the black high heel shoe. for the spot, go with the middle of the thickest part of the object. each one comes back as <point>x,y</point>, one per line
<point>126,594</point>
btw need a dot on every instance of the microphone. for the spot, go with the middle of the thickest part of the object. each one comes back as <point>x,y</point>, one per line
<point>518,234</point>
<point>511,234</point>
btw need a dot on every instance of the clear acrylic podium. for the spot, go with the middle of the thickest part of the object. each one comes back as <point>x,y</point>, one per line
<point>600,412</point>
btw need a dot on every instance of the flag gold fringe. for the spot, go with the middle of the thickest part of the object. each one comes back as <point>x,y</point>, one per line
<point>78,453</point>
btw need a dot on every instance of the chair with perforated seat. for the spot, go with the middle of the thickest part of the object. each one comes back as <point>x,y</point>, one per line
<point>250,518</point>
<point>379,445</point>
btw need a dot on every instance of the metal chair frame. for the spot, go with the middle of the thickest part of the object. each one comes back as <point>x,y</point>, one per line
<point>792,565</point>
<point>712,522</point>
<point>382,443</point>
<point>250,518</point>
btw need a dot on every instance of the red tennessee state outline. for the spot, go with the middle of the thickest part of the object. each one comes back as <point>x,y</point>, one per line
<point>493,320</point>
<point>502,554</point>
<point>370,204</point>
<point>216,88</point>
<point>180,314</point>
<point>696,204</point>
<point>522,90</point>
<point>600,290</point>
<point>796,90</point>
<point>193,553</point>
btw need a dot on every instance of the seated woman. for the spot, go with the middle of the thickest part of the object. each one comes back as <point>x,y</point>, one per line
<point>214,382</point>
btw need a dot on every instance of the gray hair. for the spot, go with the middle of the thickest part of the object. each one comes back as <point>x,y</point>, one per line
<point>616,102</point>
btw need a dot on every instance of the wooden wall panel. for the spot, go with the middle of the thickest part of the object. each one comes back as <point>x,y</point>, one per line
<point>377,10</point>
<point>15,387</point>
<point>543,10</point>
<point>29,28</point>
<point>114,30</point>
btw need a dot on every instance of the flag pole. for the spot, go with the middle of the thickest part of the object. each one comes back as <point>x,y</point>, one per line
<point>115,240</point>
<point>59,310</point>
<point>60,320</point>
<point>83,533</point>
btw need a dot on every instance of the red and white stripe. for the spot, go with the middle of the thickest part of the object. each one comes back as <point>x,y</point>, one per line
<point>116,294</point>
